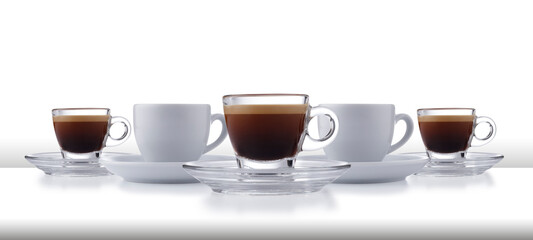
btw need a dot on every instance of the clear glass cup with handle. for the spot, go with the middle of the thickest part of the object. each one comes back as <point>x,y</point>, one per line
<point>267,131</point>
<point>82,133</point>
<point>448,133</point>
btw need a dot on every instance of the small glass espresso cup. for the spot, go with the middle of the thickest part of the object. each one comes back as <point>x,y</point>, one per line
<point>268,131</point>
<point>82,133</point>
<point>447,133</point>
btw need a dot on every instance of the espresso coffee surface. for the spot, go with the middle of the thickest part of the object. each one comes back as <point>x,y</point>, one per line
<point>265,132</point>
<point>446,134</point>
<point>81,134</point>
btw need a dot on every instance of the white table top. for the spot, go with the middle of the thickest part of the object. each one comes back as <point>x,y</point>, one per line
<point>496,203</point>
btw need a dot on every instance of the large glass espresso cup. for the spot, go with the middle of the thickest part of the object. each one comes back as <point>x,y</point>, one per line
<point>268,131</point>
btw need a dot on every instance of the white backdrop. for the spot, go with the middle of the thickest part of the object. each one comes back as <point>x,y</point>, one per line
<point>117,53</point>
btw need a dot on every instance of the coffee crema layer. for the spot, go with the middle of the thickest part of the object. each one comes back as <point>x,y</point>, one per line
<point>81,118</point>
<point>267,109</point>
<point>446,118</point>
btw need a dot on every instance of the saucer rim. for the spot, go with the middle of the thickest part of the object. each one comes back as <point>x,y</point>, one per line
<point>37,157</point>
<point>334,165</point>
<point>55,166</point>
<point>484,156</point>
<point>265,182</point>
<point>417,160</point>
<point>109,160</point>
<point>413,163</point>
<point>135,171</point>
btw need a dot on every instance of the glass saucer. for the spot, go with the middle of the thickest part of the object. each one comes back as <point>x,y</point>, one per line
<point>224,176</point>
<point>474,163</point>
<point>53,163</point>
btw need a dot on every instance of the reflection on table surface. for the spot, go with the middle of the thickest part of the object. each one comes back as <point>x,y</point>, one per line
<point>488,201</point>
<point>225,200</point>
<point>322,200</point>
<point>63,182</point>
<point>483,180</point>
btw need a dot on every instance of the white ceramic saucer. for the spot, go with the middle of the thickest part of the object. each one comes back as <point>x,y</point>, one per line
<point>133,168</point>
<point>394,167</point>
<point>53,163</point>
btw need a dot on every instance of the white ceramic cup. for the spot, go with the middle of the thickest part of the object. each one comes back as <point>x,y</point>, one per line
<point>367,131</point>
<point>175,132</point>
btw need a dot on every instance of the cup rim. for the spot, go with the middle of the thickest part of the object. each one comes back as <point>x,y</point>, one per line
<point>452,108</point>
<point>89,108</point>
<point>265,95</point>
<point>356,104</point>
<point>171,104</point>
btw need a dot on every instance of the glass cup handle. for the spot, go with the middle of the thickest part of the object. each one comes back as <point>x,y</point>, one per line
<point>111,141</point>
<point>223,132</point>
<point>408,131</point>
<point>314,144</point>
<point>482,141</point>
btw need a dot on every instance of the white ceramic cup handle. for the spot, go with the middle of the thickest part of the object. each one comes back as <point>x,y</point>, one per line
<point>482,141</point>
<point>315,144</point>
<point>408,131</point>
<point>111,141</point>
<point>223,132</point>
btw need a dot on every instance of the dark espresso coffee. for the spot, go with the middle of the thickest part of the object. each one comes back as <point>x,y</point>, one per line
<point>266,132</point>
<point>81,134</point>
<point>446,133</point>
